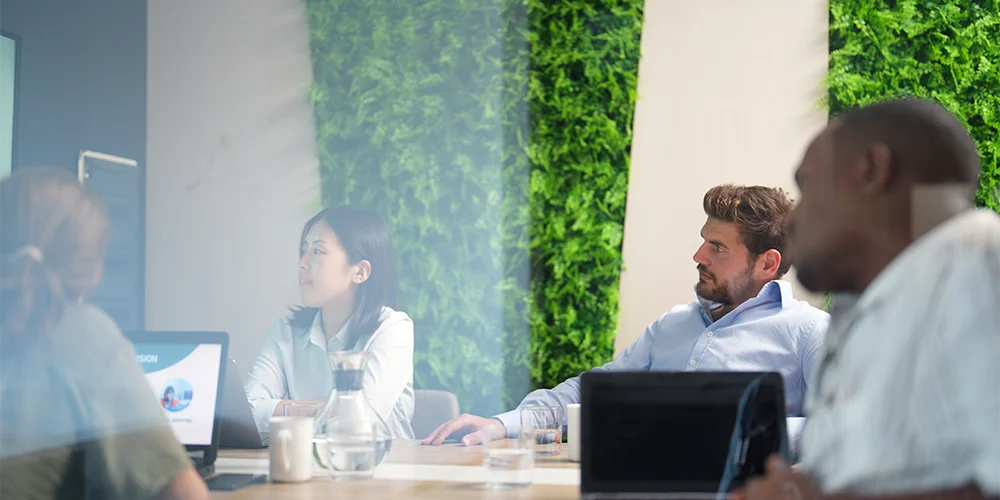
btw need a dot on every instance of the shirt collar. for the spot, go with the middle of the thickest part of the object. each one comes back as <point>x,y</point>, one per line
<point>782,288</point>
<point>886,282</point>
<point>317,337</point>
<point>772,291</point>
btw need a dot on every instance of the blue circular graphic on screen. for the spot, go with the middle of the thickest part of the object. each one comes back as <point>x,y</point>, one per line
<point>176,395</point>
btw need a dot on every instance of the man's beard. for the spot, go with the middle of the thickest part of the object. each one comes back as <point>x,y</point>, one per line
<point>724,293</point>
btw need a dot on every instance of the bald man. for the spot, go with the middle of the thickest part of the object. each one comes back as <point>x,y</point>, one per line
<point>905,402</point>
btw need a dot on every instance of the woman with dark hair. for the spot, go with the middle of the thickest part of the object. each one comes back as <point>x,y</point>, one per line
<point>78,418</point>
<point>348,283</point>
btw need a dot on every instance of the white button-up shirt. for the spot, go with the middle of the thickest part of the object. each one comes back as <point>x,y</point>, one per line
<point>907,393</point>
<point>293,364</point>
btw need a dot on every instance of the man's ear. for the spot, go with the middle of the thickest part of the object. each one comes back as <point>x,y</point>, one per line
<point>767,265</point>
<point>874,169</point>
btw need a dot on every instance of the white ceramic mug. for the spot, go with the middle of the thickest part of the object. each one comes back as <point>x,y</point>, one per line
<point>290,451</point>
<point>573,431</point>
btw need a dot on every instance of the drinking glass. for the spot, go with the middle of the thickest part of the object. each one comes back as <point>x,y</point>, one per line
<point>508,462</point>
<point>542,425</point>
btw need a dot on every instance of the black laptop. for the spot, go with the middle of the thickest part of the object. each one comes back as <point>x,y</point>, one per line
<point>185,372</point>
<point>677,435</point>
<point>239,430</point>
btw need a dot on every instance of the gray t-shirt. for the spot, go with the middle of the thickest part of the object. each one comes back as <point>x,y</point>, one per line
<point>77,418</point>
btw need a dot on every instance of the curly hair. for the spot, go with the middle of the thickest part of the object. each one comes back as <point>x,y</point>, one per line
<point>759,213</point>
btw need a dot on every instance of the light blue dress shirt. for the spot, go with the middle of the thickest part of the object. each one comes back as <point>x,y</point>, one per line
<point>770,332</point>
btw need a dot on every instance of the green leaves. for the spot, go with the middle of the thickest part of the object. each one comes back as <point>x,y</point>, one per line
<point>493,135</point>
<point>408,99</point>
<point>584,64</point>
<point>948,50</point>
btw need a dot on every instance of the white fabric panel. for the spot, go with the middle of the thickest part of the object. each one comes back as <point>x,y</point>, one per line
<point>728,92</point>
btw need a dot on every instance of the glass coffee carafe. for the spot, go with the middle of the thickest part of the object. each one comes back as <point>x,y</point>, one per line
<point>351,438</point>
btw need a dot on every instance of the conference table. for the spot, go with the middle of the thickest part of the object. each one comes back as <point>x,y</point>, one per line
<point>410,471</point>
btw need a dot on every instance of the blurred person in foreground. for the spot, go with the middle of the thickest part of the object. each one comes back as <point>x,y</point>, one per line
<point>905,403</point>
<point>77,417</point>
<point>744,317</point>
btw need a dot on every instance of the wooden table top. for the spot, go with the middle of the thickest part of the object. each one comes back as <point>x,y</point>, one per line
<point>410,471</point>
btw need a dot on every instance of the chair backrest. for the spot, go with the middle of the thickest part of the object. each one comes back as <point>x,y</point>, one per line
<point>431,409</point>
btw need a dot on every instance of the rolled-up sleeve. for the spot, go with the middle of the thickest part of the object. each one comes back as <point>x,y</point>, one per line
<point>267,384</point>
<point>636,357</point>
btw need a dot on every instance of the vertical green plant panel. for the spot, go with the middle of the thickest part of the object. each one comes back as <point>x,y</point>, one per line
<point>948,50</point>
<point>584,57</point>
<point>408,99</point>
<point>493,135</point>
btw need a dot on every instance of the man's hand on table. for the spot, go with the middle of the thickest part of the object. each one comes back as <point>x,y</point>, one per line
<point>779,483</point>
<point>474,425</point>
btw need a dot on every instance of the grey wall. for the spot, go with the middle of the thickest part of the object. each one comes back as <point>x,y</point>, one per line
<point>232,172</point>
<point>82,78</point>
<point>82,85</point>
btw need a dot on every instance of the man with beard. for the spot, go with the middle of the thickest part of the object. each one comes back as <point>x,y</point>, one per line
<point>744,318</point>
<point>905,404</point>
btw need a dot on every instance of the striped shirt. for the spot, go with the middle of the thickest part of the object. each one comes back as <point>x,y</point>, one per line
<point>906,396</point>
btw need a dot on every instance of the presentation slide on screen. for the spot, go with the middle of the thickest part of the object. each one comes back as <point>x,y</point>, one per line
<point>185,379</point>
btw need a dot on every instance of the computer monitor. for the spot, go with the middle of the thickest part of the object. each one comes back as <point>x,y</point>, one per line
<point>185,371</point>
<point>10,60</point>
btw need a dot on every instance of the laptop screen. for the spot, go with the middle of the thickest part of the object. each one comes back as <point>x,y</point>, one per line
<point>659,432</point>
<point>185,379</point>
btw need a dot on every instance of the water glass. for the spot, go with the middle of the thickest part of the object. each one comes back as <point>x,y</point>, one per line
<point>310,409</point>
<point>508,462</point>
<point>542,426</point>
<point>300,409</point>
